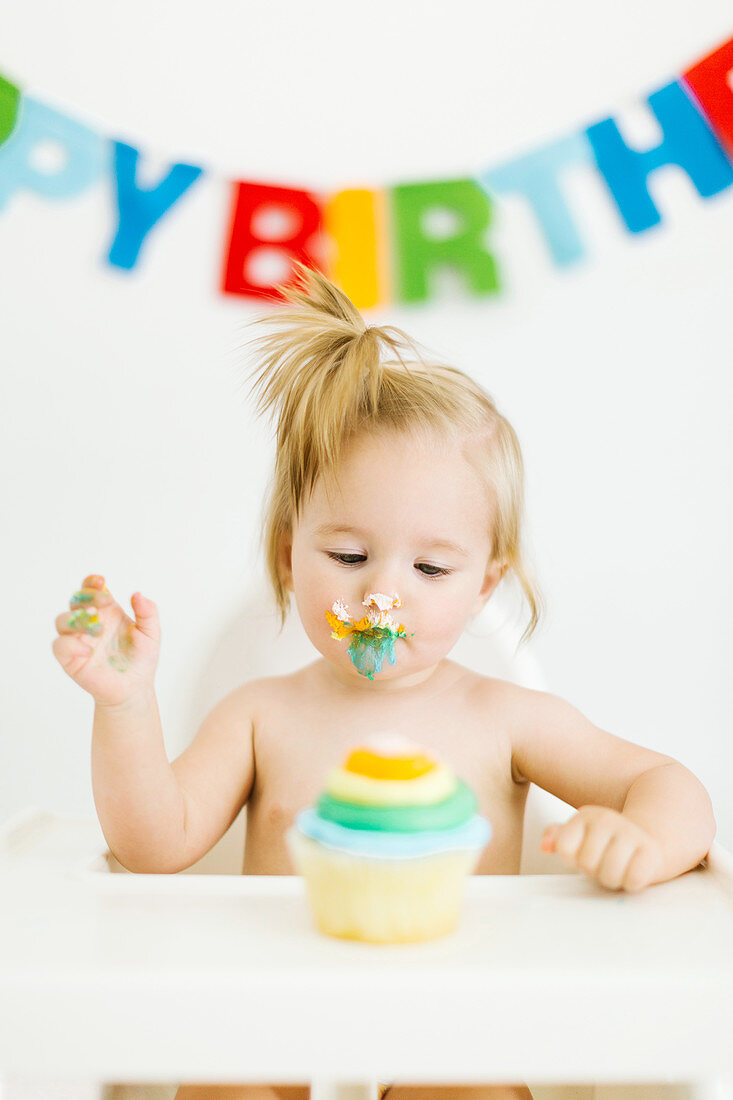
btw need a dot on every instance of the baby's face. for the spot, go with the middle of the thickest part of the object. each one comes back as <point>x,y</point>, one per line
<point>409,517</point>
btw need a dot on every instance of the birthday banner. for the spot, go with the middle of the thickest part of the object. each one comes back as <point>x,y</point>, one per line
<point>380,241</point>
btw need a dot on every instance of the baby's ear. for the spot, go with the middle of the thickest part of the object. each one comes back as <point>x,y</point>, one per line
<point>494,573</point>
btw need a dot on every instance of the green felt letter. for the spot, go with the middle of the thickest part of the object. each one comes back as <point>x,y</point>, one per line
<point>417,250</point>
<point>9,99</point>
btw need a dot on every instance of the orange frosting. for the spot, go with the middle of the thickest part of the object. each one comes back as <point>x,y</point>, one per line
<point>371,764</point>
<point>343,630</point>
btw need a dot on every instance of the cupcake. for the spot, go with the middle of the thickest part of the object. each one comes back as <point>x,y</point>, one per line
<point>387,848</point>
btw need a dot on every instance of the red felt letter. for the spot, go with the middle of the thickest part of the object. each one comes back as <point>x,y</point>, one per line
<point>250,236</point>
<point>708,80</point>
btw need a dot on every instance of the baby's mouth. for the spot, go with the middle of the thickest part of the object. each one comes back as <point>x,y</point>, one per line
<point>373,636</point>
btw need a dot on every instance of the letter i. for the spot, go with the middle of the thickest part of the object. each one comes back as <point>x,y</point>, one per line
<point>356,221</point>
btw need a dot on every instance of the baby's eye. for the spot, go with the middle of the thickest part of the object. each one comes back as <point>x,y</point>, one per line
<point>438,570</point>
<point>346,559</point>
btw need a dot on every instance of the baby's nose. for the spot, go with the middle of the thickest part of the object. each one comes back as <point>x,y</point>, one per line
<point>381,602</point>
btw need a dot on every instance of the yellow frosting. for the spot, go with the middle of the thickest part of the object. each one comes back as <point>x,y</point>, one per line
<point>434,785</point>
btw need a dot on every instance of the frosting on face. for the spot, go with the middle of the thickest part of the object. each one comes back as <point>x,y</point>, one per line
<point>394,799</point>
<point>373,636</point>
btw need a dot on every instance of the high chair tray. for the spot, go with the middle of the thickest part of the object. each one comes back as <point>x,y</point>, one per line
<point>223,977</point>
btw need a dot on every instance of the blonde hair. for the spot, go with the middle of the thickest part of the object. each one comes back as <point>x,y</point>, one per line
<point>322,377</point>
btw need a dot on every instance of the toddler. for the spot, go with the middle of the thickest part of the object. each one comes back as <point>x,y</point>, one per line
<point>397,484</point>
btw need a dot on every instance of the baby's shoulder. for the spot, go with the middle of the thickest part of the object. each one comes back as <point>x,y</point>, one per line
<point>268,691</point>
<point>263,704</point>
<point>504,695</point>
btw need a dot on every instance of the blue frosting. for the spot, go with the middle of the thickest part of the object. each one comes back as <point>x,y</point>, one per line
<point>368,649</point>
<point>474,833</point>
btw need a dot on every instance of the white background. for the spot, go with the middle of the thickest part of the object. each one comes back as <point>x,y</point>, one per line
<point>130,449</point>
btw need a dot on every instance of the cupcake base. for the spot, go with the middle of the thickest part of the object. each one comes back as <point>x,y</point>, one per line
<point>358,897</point>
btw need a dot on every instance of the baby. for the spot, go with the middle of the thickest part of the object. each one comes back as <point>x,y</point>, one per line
<point>398,485</point>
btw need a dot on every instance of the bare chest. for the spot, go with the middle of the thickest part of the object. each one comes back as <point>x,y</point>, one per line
<point>300,736</point>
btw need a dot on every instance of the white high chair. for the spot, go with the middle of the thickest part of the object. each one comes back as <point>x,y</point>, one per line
<point>534,974</point>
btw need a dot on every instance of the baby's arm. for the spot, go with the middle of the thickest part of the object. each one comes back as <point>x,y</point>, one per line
<point>642,816</point>
<point>160,817</point>
<point>155,816</point>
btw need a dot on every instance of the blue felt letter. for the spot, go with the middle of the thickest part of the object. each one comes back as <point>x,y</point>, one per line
<point>37,125</point>
<point>535,176</point>
<point>688,142</point>
<point>140,209</point>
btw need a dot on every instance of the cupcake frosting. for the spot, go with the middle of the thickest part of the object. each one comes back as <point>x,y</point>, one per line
<point>391,798</point>
<point>372,637</point>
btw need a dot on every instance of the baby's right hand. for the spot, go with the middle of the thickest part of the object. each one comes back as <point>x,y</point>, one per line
<point>102,649</point>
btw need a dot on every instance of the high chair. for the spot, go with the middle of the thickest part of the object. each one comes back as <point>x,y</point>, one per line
<point>211,975</point>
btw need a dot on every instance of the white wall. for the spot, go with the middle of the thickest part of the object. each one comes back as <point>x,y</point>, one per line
<point>128,448</point>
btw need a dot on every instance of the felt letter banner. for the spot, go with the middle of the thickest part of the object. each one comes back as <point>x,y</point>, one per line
<point>688,142</point>
<point>140,208</point>
<point>9,99</point>
<point>710,82</point>
<point>535,176</point>
<point>354,220</point>
<point>251,199</point>
<point>417,251</point>
<point>38,125</point>
<point>388,243</point>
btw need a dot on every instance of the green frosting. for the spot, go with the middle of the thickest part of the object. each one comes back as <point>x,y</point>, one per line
<point>452,811</point>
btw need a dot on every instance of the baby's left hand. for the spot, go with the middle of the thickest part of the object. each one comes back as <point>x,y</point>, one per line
<point>613,850</point>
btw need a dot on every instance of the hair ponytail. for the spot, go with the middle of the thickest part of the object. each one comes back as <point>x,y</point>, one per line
<point>320,374</point>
